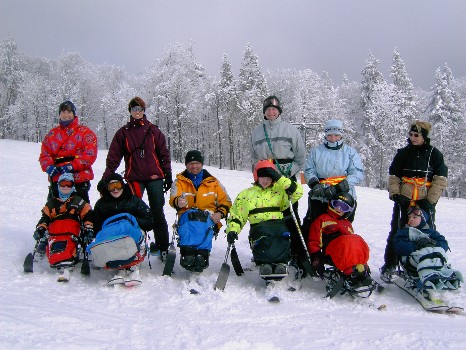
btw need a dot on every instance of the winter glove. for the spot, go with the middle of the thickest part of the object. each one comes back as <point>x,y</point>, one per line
<point>167,182</point>
<point>269,172</point>
<point>88,235</point>
<point>67,168</point>
<point>181,202</point>
<point>317,263</point>
<point>424,242</point>
<point>232,237</point>
<point>330,192</point>
<point>39,233</point>
<point>342,186</point>
<point>102,186</point>
<point>318,191</point>
<point>52,170</point>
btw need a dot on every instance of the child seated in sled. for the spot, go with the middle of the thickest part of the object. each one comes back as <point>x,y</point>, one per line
<point>332,241</point>
<point>201,202</point>
<point>263,205</point>
<point>120,221</point>
<point>66,222</point>
<point>422,253</point>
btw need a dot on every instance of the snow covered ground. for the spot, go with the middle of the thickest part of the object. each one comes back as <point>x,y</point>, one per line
<point>36,312</point>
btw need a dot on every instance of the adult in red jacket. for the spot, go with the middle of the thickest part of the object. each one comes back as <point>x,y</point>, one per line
<point>147,165</point>
<point>69,148</point>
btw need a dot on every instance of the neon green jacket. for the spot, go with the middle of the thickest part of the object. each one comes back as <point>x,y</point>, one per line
<point>257,204</point>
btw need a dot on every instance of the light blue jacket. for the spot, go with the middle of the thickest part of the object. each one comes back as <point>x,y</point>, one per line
<point>323,163</point>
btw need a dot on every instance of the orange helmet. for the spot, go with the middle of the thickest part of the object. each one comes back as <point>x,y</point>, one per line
<point>267,163</point>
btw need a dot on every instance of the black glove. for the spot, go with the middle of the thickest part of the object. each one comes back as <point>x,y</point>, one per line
<point>317,263</point>
<point>52,170</point>
<point>88,235</point>
<point>167,182</point>
<point>424,242</point>
<point>39,233</point>
<point>67,168</point>
<point>330,192</point>
<point>232,237</point>
<point>318,190</point>
<point>342,186</point>
<point>102,186</point>
<point>269,172</point>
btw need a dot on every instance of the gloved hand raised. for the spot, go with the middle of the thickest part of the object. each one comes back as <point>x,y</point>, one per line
<point>269,172</point>
<point>424,242</point>
<point>52,170</point>
<point>232,237</point>
<point>167,182</point>
<point>39,233</point>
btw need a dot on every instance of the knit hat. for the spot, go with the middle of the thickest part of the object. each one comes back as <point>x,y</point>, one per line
<point>66,176</point>
<point>422,128</point>
<point>67,106</point>
<point>272,101</point>
<point>333,127</point>
<point>136,101</point>
<point>422,213</point>
<point>114,177</point>
<point>194,156</point>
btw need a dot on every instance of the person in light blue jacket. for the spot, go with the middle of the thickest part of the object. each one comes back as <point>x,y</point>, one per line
<point>331,168</point>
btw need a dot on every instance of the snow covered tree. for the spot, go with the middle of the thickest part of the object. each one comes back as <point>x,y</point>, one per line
<point>449,127</point>
<point>252,90</point>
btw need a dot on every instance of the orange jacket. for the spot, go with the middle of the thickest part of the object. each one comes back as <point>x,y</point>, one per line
<point>210,195</point>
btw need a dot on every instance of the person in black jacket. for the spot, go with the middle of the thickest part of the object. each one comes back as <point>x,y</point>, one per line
<point>117,198</point>
<point>417,176</point>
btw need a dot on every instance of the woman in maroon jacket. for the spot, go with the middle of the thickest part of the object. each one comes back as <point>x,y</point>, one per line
<point>147,165</point>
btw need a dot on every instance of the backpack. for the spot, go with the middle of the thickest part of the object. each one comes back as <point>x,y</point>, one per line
<point>118,244</point>
<point>62,246</point>
<point>270,242</point>
<point>195,229</point>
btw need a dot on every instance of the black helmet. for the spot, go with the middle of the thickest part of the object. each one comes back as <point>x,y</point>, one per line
<point>343,201</point>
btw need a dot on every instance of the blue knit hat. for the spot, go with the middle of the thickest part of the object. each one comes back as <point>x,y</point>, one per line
<point>423,214</point>
<point>333,127</point>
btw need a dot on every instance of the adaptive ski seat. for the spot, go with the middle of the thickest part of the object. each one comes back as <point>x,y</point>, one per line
<point>120,243</point>
<point>195,230</point>
<point>63,243</point>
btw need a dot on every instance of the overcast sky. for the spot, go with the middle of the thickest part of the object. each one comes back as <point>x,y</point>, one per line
<point>335,36</point>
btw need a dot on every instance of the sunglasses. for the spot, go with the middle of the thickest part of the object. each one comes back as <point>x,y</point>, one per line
<point>413,134</point>
<point>65,183</point>
<point>115,186</point>
<point>342,206</point>
<point>137,109</point>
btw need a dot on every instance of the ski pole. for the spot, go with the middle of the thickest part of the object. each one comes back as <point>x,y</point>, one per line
<point>224,271</point>
<point>309,268</point>
<point>28,264</point>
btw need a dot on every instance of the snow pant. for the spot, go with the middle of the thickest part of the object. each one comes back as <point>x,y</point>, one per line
<point>156,202</point>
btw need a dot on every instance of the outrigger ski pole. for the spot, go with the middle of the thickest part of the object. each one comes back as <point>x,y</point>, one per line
<point>29,260</point>
<point>224,272</point>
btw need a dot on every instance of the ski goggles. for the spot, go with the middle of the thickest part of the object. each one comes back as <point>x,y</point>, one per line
<point>137,109</point>
<point>115,186</point>
<point>65,183</point>
<point>414,210</point>
<point>340,205</point>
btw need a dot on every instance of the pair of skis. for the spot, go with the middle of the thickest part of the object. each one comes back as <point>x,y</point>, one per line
<point>436,305</point>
